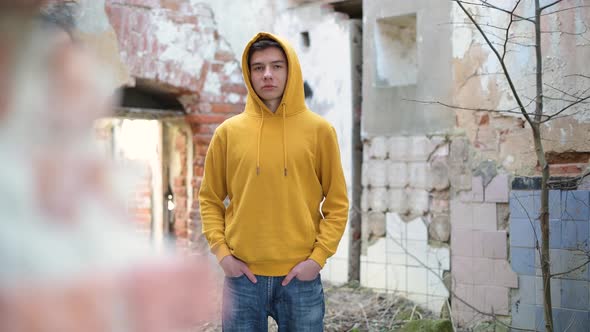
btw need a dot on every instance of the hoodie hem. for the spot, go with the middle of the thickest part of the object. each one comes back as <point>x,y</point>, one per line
<point>273,269</point>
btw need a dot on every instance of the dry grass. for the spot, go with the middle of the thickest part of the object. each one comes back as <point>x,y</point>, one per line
<point>357,309</point>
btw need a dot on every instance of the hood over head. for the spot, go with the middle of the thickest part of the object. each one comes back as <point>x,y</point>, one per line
<point>293,101</point>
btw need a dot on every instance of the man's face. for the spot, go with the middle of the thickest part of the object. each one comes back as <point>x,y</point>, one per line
<point>268,74</point>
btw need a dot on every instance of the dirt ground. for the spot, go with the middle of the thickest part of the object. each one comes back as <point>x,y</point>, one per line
<point>357,309</point>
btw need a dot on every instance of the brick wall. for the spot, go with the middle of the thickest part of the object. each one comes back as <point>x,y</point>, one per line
<point>139,203</point>
<point>175,45</point>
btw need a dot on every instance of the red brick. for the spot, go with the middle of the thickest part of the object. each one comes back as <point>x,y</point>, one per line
<point>224,56</point>
<point>227,108</point>
<point>204,107</point>
<point>217,67</point>
<point>202,139</point>
<point>571,169</point>
<point>181,201</point>
<point>199,171</point>
<point>206,118</point>
<point>179,182</point>
<point>199,160</point>
<point>204,128</point>
<point>234,88</point>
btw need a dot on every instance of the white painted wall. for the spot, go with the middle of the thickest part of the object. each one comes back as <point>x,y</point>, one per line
<point>239,21</point>
<point>327,67</point>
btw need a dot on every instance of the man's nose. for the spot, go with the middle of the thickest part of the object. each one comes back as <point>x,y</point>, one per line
<point>267,73</point>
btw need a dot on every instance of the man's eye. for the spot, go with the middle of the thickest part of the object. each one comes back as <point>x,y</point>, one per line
<point>257,68</point>
<point>278,66</point>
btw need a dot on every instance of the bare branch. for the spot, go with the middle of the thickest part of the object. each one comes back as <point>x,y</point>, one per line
<point>506,37</point>
<point>565,9</point>
<point>549,117</point>
<point>561,116</point>
<point>568,184</point>
<point>567,93</point>
<point>572,270</point>
<point>515,110</point>
<point>578,75</point>
<point>581,33</point>
<point>468,24</point>
<point>486,4</point>
<point>451,292</point>
<point>549,5</point>
<point>507,74</point>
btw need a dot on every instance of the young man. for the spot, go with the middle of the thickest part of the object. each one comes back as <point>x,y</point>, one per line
<point>276,162</point>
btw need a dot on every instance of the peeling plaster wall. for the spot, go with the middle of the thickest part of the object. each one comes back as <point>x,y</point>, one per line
<point>328,64</point>
<point>504,137</point>
<point>241,20</point>
<point>171,46</point>
<point>391,108</point>
<point>95,31</point>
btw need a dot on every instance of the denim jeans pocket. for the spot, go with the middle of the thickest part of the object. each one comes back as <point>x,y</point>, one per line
<point>235,278</point>
<point>318,277</point>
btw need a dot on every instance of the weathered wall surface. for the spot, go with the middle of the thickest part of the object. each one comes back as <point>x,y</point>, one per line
<point>239,21</point>
<point>502,142</point>
<point>400,38</point>
<point>318,34</point>
<point>479,83</point>
<point>175,46</point>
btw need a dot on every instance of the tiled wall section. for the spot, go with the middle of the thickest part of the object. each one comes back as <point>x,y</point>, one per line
<point>397,173</point>
<point>406,176</point>
<point>404,263</point>
<point>481,273</point>
<point>569,242</point>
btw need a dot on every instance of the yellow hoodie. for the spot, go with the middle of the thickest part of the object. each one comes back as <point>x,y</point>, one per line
<point>275,168</point>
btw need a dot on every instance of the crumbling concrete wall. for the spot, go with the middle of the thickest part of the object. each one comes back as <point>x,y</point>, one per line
<point>479,83</point>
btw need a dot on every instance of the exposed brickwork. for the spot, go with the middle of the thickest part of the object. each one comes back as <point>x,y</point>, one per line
<point>175,45</point>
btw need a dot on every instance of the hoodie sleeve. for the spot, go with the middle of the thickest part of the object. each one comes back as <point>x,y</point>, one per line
<point>212,195</point>
<point>335,205</point>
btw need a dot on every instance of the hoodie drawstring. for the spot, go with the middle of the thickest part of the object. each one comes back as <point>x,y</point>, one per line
<point>259,138</point>
<point>284,140</point>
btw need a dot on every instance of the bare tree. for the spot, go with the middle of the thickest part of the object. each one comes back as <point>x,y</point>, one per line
<point>499,39</point>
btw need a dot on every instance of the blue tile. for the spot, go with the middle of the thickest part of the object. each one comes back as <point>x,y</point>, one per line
<point>555,234</point>
<point>539,319</point>
<point>522,233</point>
<point>522,260</point>
<point>574,234</point>
<point>575,205</point>
<point>526,292</point>
<point>524,204</point>
<point>574,294</point>
<point>574,261</point>
<point>554,204</point>
<point>523,315</point>
<point>571,320</point>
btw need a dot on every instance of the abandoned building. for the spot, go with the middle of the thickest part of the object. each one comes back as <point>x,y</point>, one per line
<point>443,189</point>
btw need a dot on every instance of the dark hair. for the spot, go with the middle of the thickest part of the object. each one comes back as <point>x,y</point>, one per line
<point>262,44</point>
<point>59,16</point>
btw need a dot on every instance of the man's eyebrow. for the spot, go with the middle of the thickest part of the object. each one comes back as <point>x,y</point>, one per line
<point>273,62</point>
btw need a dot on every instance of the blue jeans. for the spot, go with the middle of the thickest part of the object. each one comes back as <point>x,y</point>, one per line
<point>299,306</point>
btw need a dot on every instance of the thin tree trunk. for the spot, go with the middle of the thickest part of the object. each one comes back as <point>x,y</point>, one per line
<point>544,210</point>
